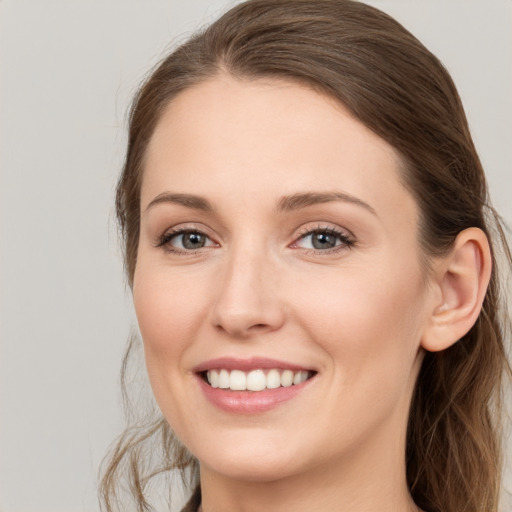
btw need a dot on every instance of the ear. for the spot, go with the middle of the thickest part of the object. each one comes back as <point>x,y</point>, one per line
<point>458,290</point>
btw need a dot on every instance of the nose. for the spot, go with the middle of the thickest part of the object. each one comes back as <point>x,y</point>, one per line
<point>247,301</point>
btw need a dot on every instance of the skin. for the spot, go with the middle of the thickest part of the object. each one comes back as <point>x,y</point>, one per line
<point>357,316</point>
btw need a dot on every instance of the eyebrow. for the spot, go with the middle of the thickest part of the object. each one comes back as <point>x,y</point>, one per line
<point>188,200</point>
<point>302,200</point>
<point>284,204</point>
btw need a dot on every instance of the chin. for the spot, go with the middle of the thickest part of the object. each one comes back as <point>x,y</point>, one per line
<point>250,470</point>
<point>258,460</point>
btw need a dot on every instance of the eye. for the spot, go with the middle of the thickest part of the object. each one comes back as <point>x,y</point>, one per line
<point>323,239</point>
<point>185,240</point>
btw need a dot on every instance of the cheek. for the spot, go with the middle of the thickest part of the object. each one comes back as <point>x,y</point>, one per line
<point>369,328</point>
<point>166,304</point>
<point>169,308</point>
<point>368,320</point>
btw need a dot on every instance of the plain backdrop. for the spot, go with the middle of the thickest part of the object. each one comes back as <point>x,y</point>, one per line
<point>67,71</point>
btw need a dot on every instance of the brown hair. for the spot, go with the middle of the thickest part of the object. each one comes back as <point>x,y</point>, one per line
<point>391,83</point>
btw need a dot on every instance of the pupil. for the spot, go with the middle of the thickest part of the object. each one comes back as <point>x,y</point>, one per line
<point>323,241</point>
<point>193,240</point>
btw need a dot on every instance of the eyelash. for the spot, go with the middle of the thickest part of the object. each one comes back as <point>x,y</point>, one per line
<point>347,241</point>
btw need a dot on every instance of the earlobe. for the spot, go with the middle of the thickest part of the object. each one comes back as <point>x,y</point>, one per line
<point>461,280</point>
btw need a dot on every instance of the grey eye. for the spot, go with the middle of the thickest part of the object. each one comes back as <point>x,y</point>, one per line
<point>190,240</point>
<point>323,240</point>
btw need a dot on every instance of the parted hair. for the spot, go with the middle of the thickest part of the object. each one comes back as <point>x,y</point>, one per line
<point>391,83</point>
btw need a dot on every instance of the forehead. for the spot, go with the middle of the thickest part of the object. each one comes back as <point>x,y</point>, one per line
<point>231,137</point>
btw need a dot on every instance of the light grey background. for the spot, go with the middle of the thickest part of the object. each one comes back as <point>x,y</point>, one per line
<point>68,69</point>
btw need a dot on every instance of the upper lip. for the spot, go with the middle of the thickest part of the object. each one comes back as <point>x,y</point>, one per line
<point>246,365</point>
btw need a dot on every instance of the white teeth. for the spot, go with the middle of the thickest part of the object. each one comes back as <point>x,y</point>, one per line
<point>224,379</point>
<point>237,380</point>
<point>287,378</point>
<point>273,379</point>
<point>255,380</point>
<point>213,379</point>
<point>300,377</point>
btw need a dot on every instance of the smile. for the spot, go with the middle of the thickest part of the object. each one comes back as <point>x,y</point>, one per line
<point>255,380</point>
<point>252,386</point>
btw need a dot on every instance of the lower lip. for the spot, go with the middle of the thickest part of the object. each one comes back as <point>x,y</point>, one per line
<point>250,402</point>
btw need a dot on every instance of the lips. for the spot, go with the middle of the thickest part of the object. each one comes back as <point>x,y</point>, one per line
<point>251,385</point>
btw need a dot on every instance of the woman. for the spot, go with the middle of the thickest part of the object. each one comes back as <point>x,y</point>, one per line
<point>308,239</point>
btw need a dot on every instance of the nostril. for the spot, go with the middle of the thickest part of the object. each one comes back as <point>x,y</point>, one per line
<point>243,321</point>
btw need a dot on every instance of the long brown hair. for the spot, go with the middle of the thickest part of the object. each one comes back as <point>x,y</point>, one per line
<point>391,83</point>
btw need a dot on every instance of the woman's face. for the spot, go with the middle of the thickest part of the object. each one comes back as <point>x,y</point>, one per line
<point>278,243</point>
